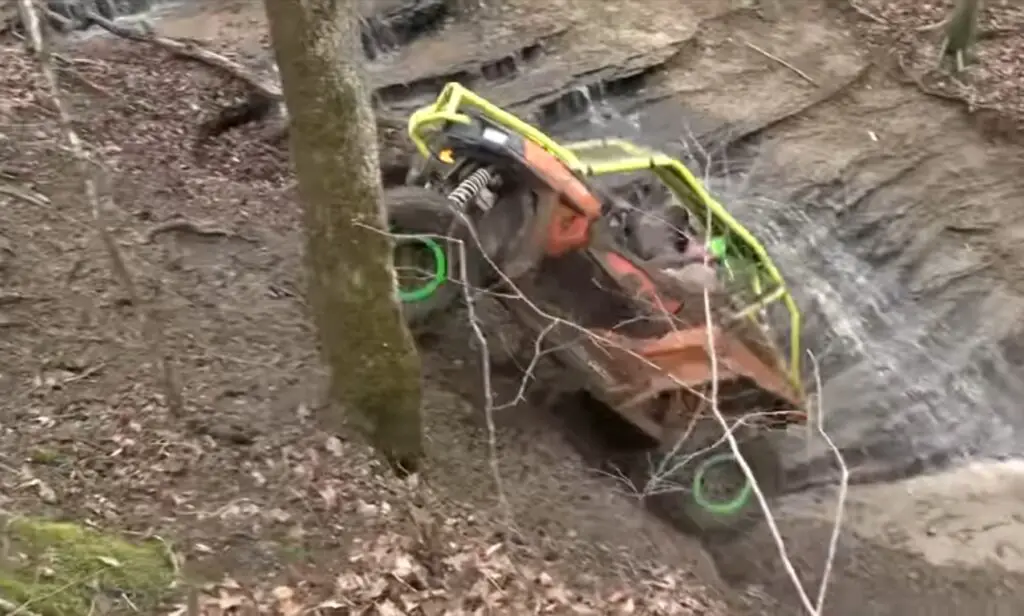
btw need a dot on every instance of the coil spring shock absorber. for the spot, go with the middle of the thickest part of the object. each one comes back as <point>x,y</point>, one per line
<point>470,188</point>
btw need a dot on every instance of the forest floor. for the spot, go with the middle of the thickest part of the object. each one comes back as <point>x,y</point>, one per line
<point>254,500</point>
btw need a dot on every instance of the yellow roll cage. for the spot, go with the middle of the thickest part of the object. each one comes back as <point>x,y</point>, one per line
<point>616,156</point>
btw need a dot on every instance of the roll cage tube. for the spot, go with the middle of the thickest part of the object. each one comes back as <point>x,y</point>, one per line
<point>767,284</point>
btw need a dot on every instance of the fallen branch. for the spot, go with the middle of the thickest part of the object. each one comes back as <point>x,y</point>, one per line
<point>722,139</point>
<point>775,58</point>
<point>866,13</point>
<point>27,196</point>
<point>11,608</point>
<point>813,608</point>
<point>151,328</point>
<point>183,225</point>
<point>191,51</point>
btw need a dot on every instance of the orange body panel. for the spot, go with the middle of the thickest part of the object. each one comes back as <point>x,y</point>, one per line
<point>576,209</point>
<point>563,181</point>
<point>681,361</point>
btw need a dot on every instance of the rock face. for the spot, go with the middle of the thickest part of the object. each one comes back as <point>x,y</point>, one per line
<point>386,25</point>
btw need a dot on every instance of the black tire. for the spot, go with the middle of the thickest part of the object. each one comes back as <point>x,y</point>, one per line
<point>676,502</point>
<point>415,210</point>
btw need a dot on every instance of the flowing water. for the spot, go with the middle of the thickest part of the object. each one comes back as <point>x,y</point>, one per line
<point>905,390</point>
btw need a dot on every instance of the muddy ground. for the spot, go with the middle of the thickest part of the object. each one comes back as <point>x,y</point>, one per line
<point>914,192</point>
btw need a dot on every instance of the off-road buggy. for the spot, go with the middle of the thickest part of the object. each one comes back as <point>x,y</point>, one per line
<point>499,205</point>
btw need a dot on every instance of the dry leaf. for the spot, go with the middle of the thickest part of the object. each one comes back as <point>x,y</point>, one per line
<point>387,608</point>
<point>334,446</point>
<point>110,562</point>
<point>283,593</point>
<point>229,601</point>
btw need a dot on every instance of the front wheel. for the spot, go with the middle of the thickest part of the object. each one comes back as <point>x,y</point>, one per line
<point>426,259</point>
<point>702,490</point>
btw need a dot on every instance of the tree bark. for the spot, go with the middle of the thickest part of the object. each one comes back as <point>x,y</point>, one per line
<point>374,367</point>
<point>961,34</point>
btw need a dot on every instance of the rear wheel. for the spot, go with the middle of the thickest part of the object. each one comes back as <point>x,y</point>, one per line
<point>426,259</point>
<point>701,488</point>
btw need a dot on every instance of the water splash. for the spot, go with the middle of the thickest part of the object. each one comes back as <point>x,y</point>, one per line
<point>902,387</point>
<point>907,390</point>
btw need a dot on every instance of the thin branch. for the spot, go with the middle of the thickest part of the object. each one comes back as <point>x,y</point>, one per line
<point>485,366</point>
<point>151,328</point>
<point>11,608</point>
<point>866,13</point>
<point>811,608</point>
<point>27,196</point>
<point>748,472</point>
<point>771,56</point>
<point>844,486</point>
<point>192,51</point>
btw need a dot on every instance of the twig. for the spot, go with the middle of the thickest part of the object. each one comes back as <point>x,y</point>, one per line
<point>934,26</point>
<point>866,13</point>
<point>748,472</point>
<point>538,353</point>
<point>711,399</point>
<point>770,56</point>
<point>70,69</point>
<point>816,608</point>
<point>152,329</point>
<point>723,138</point>
<point>27,196</point>
<point>9,607</point>
<point>844,486</point>
<point>918,80</point>
<point>183,225</point>
<point>485,366</point>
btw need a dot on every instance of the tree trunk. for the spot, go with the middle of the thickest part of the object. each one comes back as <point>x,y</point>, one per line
<point>375,371</point>
<point>961,34</point>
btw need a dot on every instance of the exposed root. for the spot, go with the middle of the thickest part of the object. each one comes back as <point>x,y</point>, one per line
<point>909,76</point>
<point>183,225</point>
<point>255,108</point>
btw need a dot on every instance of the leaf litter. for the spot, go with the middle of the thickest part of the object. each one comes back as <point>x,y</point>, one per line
<point>991,86</point>
<point>291,521</point>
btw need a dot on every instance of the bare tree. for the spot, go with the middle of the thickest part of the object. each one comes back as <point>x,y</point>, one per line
<point>375,370</point>
<point>961,34</point>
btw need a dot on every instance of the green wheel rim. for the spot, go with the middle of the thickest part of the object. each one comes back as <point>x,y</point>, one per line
<point>722,508</point>
<point>439,276</point>
<point>718,247</point>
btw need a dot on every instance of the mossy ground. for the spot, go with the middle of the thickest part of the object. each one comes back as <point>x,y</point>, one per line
<point>63,569</point>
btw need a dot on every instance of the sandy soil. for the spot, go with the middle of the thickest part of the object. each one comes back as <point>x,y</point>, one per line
<point>241,489</point>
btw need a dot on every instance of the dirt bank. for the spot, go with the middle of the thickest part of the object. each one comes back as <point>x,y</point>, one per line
<point>941,544</point>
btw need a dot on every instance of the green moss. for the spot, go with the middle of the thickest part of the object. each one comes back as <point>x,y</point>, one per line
<point>62,569</point>
<point>46,456</point>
